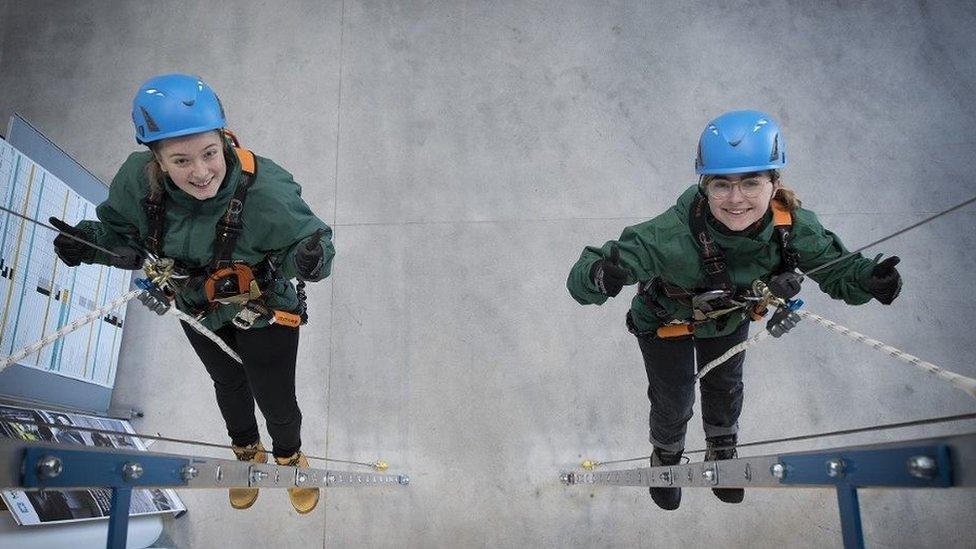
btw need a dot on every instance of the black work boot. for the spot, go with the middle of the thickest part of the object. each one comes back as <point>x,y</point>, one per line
<point>666,498</point>
<point>718,448</point>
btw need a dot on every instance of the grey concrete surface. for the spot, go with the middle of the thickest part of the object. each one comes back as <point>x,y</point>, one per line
<point>465,153</point>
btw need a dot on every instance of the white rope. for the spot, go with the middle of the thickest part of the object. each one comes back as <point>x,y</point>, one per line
<point>966,384</point>
<point>66,329</point>
<point>732,352</point>
<point>202,330</point>
<point>959,381</point>
<point>98,313</point>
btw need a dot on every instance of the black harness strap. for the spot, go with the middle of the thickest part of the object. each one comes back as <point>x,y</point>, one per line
<point>229,227</point>
<point>783,226</point>
<point>714,265</point>
<point>154,205</point>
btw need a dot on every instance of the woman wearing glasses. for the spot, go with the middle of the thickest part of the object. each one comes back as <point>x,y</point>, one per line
<point>695,265</point>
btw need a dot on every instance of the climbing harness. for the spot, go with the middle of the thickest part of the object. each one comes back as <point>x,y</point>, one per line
<point>225,281</point>
<point>156,292</point>
<point>716,297</point>
<point>776,327</point>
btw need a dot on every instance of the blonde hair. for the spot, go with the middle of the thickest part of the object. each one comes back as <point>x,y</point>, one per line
<point>154,172</point>
<point>784,194</point>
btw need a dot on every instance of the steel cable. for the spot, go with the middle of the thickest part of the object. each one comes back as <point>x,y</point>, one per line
<point>929,421</point>
<point>379,464</point>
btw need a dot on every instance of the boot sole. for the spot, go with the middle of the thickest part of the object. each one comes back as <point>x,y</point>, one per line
<point>660,504</point>
<point>310,509</point>
<point>245,506</point>
<point>729,495</point>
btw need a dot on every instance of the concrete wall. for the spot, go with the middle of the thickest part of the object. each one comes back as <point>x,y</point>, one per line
<point>465,152</point>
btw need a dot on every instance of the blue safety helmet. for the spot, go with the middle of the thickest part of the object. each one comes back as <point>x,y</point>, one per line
<point>173,105</point>
<point>740,142</point>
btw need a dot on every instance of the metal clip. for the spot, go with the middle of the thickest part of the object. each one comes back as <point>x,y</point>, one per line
<point>246,318</point>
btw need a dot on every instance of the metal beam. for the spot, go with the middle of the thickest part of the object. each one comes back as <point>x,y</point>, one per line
<point>930,463</point>
<point>29,465</point>
<point>927,463</point>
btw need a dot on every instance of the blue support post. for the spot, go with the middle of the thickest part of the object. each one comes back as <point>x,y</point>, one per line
<point>850,517</point>
<point>118,521</point>
<point>921,466</point>
<point>55,467</point>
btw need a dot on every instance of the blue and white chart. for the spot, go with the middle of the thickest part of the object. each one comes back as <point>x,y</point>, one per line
<point>38,293</point>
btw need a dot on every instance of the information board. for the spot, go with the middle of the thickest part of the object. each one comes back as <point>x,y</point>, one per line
<point>38,293</point>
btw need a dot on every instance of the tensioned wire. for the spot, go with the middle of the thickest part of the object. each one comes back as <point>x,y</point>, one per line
<point>165,439</point>
<point>892,235</point>
<point>930,421</point>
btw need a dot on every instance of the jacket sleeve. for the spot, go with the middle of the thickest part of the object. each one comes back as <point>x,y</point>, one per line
<point>290,222</point>
<point>817,246</point>
<point>638,254</point>
<point>117,224</point>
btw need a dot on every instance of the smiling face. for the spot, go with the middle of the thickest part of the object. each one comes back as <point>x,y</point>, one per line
<point>195,163</point>
<point>738,201</point>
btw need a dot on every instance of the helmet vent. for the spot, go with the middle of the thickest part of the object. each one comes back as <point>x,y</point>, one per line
<point>189,102</point>
<point>149,120</point>
<point>736,142</point>
<point>759,124</point>
<point>773,156</point>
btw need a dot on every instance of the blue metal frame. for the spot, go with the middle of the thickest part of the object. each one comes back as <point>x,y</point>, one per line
<point>118,520</point>
<point>850,469</point>
<point>850,517</point>
<point>106,469</point>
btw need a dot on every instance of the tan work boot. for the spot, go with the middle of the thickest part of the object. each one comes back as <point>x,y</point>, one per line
<point>302,499</point>
<point>242,498</point>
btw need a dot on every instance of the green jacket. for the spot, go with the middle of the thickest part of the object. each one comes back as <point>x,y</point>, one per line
<point>664,247</point>
<point>275,221</point>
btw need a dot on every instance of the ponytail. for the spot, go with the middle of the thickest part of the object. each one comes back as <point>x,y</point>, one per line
<point>785,195</point>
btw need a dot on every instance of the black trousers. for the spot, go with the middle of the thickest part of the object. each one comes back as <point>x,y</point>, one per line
<point>670,365</point>
<point>267,377</point>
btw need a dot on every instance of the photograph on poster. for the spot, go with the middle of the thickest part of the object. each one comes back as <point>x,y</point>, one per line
<point>62,506</point>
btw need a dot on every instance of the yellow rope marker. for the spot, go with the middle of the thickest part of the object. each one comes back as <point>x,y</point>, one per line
<point>590,464</point>
<point>380,465</point>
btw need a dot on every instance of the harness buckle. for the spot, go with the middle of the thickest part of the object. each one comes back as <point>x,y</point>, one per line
<point>714,266</point>
<point>249,314</point>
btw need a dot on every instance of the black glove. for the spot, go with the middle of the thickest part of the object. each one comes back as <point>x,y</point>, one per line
<point>785,285</point>
<point>308,260</point>
<point>71,251</point>
<point>885,282</point>
<point>608,275</point>
<point>127,258</point>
